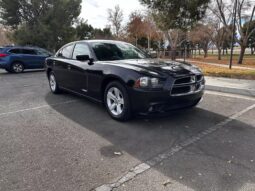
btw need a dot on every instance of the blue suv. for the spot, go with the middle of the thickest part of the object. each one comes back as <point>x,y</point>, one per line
<point>16,59</point>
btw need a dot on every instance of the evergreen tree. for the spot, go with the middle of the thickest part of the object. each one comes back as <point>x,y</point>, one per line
<point>44,23</point>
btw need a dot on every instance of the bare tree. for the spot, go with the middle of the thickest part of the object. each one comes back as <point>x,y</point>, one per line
<point>115,17</point>
<point>244,28</point>
<point>175,38</point>
<point>4,40</point>
<point>150,30</point>
<point>202,35</point>
<point>220,14</point>
<point>135,26</point>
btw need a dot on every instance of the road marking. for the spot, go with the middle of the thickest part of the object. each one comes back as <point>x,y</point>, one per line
<point>229,95</point>
<point>36,108</point>
<point>142,167</point>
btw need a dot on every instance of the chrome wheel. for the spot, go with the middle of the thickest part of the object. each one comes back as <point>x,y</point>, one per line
<point>53,83</point>
<point>115,101</point>
<point>17,67</point>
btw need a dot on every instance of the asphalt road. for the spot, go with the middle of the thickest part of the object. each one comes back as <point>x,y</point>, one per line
<point>66,143</point>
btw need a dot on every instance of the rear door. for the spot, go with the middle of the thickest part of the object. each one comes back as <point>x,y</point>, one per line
<point>61,65</point>
<point>31,59</point>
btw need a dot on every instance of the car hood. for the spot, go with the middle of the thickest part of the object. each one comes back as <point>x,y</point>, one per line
<point>158,67</point>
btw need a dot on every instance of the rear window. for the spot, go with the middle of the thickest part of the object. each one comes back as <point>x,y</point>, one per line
<point>67,51</point>
<point>15,51</point>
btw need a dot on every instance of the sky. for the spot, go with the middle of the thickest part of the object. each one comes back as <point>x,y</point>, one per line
<point>95,11</point>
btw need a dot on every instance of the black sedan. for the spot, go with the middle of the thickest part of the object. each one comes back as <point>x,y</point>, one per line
<point>124,78</point>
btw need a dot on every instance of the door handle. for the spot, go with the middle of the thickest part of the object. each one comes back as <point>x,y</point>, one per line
<point>69,67</point>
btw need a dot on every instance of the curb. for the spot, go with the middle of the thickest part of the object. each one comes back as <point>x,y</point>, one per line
<point>245,92</point>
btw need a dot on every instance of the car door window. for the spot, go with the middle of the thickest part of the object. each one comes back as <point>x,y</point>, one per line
<point>15,51</point>
<point>29,52</point>
<point>67,51</point>
<point>81,49</point>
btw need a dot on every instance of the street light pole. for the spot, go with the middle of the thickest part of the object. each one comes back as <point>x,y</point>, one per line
<point>233,36</point>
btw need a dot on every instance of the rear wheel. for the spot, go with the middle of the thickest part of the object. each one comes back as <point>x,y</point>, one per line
<point>53,83</point>
<point>117,101</point>
<point>17,67</point>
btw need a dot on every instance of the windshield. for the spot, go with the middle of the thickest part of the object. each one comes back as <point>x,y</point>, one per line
<point>117,51</point>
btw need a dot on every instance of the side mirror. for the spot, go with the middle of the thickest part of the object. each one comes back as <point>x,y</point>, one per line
<point>84,58</point>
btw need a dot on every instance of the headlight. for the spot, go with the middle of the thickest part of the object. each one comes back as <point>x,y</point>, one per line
<point>147,82</point>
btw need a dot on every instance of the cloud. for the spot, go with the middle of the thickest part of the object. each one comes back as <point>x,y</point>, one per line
<point>95,11</point>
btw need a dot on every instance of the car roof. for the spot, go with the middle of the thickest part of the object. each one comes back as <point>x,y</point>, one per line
<point>102,40</point>
<point>20,47</point>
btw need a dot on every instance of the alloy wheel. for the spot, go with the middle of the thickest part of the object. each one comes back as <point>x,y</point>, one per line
<point>53,83</point>
<point>115,101</point>
<point>17,67</point>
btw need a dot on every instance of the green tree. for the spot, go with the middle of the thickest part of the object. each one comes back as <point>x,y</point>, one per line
<point>84,30</point>
<point>44,23</point>
<point>177,14</point>
<point>174,16</point>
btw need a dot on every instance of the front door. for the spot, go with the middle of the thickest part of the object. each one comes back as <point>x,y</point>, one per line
<point>78,76</point>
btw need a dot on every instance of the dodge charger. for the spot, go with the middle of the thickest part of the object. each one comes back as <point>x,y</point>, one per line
<point>124,78</point>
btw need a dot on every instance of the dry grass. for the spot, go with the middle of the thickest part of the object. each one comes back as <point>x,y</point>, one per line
<point>225,72</point>
<point>249,60</point>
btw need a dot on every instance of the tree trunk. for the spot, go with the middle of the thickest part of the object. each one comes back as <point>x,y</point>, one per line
<point>205,53</point>
<point>226,51</point>
<point>149,44</point>
<point>252,50</point>
<point>241,56</point>
<point>219,53</point>
<point>199,51</point>
<point>173,54</point>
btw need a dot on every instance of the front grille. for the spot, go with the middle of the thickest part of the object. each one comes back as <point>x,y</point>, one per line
<point>183,80</point>
<point>187,85</point>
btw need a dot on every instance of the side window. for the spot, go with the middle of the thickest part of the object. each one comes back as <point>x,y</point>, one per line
<point>42,52</point>
<point>29,51</point>
<point>81,49</point>
<point>15,51</point>
<point>67,51</point>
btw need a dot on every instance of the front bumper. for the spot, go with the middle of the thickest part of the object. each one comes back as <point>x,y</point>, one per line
<point>149,102</point>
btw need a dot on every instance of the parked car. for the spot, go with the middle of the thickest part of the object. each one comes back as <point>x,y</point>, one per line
<point>124,78</point>
<point>16,59</point>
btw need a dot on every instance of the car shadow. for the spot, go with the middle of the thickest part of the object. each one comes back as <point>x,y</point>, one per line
<point>144,138</point>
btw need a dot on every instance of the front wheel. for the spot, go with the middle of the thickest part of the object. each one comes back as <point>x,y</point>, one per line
<point>117,102</point>
<point>53,83</point>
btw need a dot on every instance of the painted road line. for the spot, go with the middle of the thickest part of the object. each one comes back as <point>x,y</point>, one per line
<point>210,92</point>
<point>142,167</point>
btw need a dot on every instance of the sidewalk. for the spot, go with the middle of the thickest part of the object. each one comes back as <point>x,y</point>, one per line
<point>229,85</point>
<point>220,65</point>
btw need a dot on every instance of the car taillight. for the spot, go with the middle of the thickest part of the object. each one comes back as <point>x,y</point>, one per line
<point>3,55</point>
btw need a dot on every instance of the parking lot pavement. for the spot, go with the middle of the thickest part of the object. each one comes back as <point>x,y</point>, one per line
<point>64,142</point>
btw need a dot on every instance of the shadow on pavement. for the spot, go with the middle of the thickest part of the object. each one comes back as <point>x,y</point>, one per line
<point>145,138</point>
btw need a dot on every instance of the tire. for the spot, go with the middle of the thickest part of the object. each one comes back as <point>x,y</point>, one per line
<point>117,101</point>
<point>17,67</point>
<point>53,83</point>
